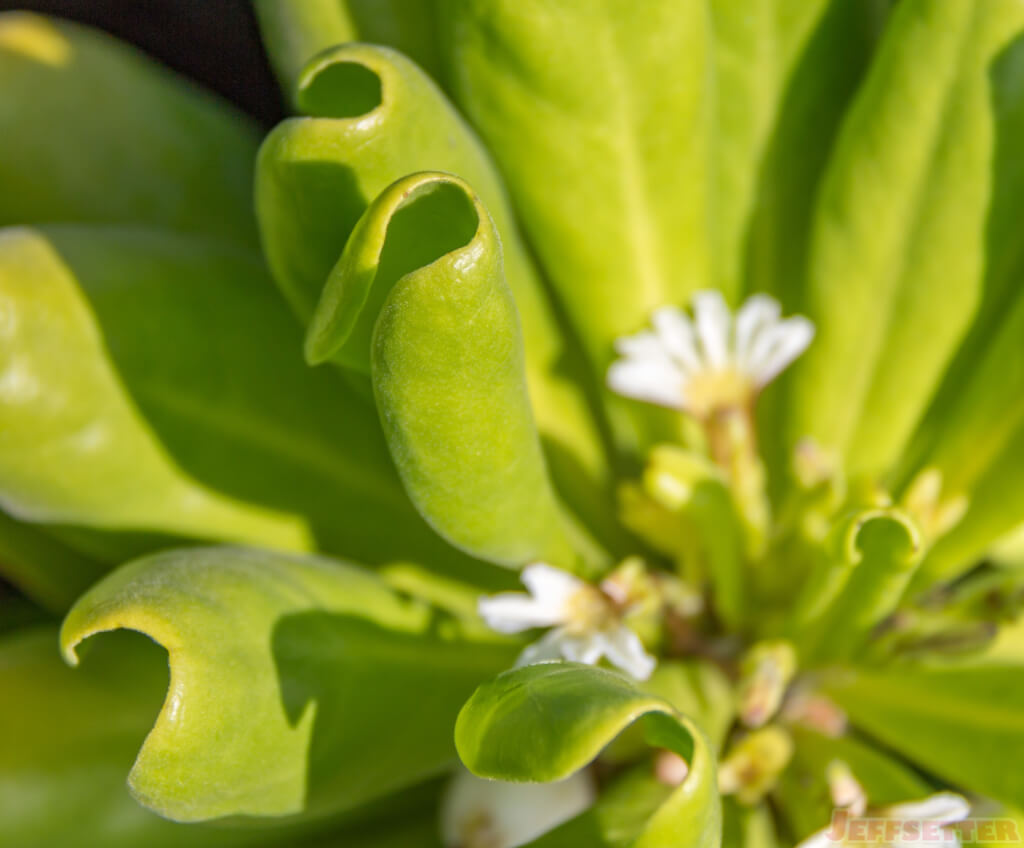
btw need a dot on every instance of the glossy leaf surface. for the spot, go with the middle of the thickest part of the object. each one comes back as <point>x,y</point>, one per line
<point>544,722</point>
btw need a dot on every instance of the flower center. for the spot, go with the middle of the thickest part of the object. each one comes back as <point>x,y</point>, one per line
<point>715,391</point>
<point>589,610</point>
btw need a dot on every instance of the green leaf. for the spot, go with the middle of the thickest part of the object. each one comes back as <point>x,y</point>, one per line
<point>73,734</point>
<point>826,63</point>
<point>600,118</point>
<point>150,150</point>
<point>977,443</point>
<point>296,32</point>
<point>441,335</point>
<point>43,568</point>
<point>963,721</point>
<point>544,722</point>
<point>378,118</point>
<point>136,383</point>
<point>757,50</point>
<point>297,684</point>
<point>897,262</point>
<point>996,505</point>
<point>1009,550</point>
<point>697,689</point>
<point>868,563</point>
<point>70,737</point>
<point>747,827</point>
<point>803,793</point>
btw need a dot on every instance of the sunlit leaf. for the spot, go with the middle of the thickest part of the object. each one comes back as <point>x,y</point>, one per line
<point>374,118</point>
<point>440,333</point>
<point>297,685</point>
<point>897,262</point>
<point>544,722</point>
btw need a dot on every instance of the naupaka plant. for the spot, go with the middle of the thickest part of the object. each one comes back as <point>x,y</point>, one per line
<point>608,430</point>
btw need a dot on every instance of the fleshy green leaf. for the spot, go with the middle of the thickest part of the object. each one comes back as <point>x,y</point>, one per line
<point>697,689</point>
<point>826,65</point>
<point>155,382</point>
<point>600,119</point>
<point>757,48</point>
<point>979,448</point>
<point>150,150</point>
<point>441,335</point>
<point>897,262</point>
<point>1004,270</point>
<point>297,685</point>
<point>296,32</point>
<point>378,118</point>
<point>747,827</point>
<point>42,567</point>
<point>963,721</point>
<point>803,793</point>
<point>1009,550</point>
<point>70,736</point>
<point>869,561</point>
<point>544,722</point>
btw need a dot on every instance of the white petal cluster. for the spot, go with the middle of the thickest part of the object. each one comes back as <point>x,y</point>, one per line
<point>585,627</point>
<point>712,360</point>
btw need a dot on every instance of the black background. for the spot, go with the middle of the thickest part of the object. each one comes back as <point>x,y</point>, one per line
<point>215,42</point>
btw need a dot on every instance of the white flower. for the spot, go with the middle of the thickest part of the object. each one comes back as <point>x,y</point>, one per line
<point>587,626</point>
<point>896,826</point>
<point>478,813</point>
<point>713,361</point>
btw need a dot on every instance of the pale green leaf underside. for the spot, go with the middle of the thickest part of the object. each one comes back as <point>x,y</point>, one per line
<point>544,722</point>
<point>298,685</point>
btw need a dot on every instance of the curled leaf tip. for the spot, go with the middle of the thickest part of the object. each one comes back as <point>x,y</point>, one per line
<point>346,82</point>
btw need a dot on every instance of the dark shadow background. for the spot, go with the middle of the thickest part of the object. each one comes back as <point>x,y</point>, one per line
<point>215,42</point>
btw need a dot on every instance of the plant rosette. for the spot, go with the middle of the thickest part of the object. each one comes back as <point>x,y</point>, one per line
<point>608,430</point>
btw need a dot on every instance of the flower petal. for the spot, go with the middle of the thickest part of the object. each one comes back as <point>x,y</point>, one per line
<point>625,650</point>
<point>549,585</point>
<point>675,332</point>
<point>944,807</point>
<point>821,839</point>
<point>514,612</point>
<point>714,325</point>
<point>545,649</point>
<point>757,313</point>
<point>777,346</point>
<point>654,381</point>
